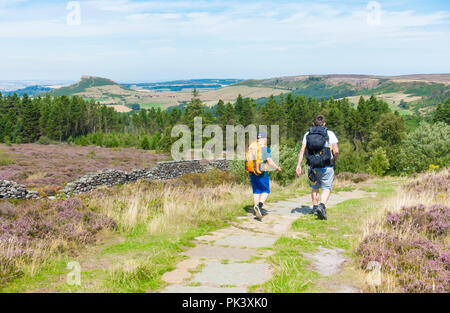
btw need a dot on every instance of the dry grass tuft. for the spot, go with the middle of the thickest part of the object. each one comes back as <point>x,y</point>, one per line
<point>166,206</point>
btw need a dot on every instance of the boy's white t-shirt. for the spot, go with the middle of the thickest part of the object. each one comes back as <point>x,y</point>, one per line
<point>333,140</point>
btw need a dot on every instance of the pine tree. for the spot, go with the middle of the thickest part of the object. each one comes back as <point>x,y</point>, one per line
<point>31,116</point>
<point>238,106</point>
<point>156,139</point>
<point>442,113</point>
<point>229,117</point>
<point>54,127</point>
<point>194,109</point>
<point>246,113</point>
<point>220,111</point>
<point>363,118</point>
<point>195,93</point>
<point>145,143</point>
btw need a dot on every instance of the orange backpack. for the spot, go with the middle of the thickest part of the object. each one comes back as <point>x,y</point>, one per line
<point>254,162</point>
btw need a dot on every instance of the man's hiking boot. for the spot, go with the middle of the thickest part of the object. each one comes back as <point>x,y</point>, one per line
<point>315,209</point>
<point>258,212</point>
<point>322,211</point>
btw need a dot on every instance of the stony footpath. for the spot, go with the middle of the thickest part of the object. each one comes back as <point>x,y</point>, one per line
<point>231,260</point>
<point>13,190</point>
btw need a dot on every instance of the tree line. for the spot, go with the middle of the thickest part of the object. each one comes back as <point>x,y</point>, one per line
<point>369,127</point>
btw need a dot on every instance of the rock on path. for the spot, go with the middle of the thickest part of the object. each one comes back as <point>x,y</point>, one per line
<point>234,258</point>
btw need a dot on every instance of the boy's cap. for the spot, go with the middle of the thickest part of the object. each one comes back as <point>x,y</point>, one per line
<point>262,135</point>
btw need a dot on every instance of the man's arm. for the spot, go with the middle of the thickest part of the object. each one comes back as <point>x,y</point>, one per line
<point>300,160</point>
<point>335,151</point>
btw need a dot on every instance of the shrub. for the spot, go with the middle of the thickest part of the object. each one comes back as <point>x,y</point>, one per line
<point>434,221</point>
<point>82,141</point>
<point>288,160</point>
<point>428,144</point>
<point>418,264</point>
<point>238,172</point>
<point>44,140</point>
<point>156,139</point>
<point>378,163</point>
<point>354,177</point>
<point>37,226</point>
<point>111,141</point>
<point>145,143</point>
<point>350,159</point>
<point>209,179</point>
<point>434,184</point>
<point>7,140</point>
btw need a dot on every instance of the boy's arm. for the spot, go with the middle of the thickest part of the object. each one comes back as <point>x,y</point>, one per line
<point>300,160</point>
<point>272,163</point>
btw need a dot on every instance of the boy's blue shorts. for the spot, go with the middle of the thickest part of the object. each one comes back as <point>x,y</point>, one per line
<point>260,184</point>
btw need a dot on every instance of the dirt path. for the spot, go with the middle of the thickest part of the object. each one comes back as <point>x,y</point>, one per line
<point>231,260</point>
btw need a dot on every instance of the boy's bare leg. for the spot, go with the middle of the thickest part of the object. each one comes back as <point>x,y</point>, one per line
<point>263,198</point>
<point>256,199</point>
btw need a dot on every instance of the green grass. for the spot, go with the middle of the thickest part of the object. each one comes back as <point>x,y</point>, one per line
<point>346,188</point>
<point>135,261</point>
<point>152,105</point>
<point>5,159</point>
<point>292,269</point>
<point>130,262</point>
<point>151,256</point>
<point>400,111</point>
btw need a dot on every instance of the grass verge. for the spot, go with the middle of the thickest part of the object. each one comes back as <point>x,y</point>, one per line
<point>343,229</point>
<point>155,222</point>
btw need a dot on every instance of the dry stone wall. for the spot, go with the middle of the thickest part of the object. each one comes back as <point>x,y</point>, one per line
<point>108,177</point>
<point>162,171</point>
<point>13,190</point>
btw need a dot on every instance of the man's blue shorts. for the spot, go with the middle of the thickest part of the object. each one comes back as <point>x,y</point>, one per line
<point>260,184</point>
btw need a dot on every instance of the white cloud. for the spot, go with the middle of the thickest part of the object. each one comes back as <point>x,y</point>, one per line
<point>248,32</point>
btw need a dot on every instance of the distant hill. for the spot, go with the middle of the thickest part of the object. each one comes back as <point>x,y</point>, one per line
<point>158,95</point>
<point>30,90</point>
<point>84,85</point>
<point>184,85</point>
<point>407,93</point>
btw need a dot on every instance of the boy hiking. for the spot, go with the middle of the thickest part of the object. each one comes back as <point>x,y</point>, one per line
<point>320,146</point>
<point>256,163</point>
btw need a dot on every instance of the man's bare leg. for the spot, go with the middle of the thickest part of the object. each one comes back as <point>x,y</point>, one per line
<point>325,196</point>
<point>315,195</point>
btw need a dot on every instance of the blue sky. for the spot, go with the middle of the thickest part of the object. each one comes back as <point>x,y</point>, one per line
<point>131,40</point>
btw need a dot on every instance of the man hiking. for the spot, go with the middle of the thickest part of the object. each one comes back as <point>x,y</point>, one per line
<point>320,146</point>
<point>257,159</point>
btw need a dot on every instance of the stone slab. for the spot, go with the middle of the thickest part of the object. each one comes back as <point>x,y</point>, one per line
<point>220,253</point>
<point>246,241</point>
<point>237,274</point>
<point>202,289</point>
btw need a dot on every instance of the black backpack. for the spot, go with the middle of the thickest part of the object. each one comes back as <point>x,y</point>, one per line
<point>317,155</point>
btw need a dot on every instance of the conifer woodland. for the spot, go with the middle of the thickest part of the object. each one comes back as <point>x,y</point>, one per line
<point>373,138</point>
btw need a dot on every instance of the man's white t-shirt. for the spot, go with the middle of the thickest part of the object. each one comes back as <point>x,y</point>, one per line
<point>331,135</point>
